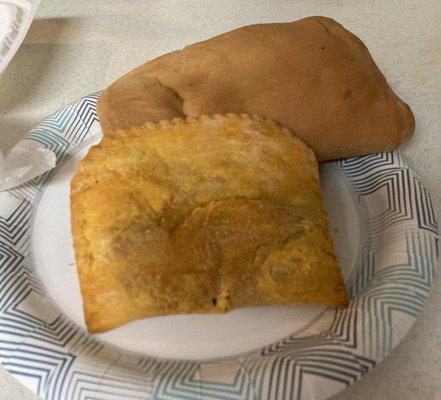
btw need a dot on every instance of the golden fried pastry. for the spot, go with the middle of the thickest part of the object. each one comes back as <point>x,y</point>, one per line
<point>312,76</point>
<point>197,216</point>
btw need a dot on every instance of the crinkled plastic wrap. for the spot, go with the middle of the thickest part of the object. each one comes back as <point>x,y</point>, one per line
<point>27,160</point>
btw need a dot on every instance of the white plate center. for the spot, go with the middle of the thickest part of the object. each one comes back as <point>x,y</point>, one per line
<point>182,336</point>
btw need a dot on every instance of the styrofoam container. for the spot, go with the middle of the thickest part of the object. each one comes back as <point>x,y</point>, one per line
<point>15,18</point>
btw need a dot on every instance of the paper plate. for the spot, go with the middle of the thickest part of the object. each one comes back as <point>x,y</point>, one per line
<point>385,234</point>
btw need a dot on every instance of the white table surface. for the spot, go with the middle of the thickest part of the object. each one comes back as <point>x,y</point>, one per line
<point>77,47</point>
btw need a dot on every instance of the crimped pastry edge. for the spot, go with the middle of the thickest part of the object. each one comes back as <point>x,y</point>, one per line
<point>195,120</point>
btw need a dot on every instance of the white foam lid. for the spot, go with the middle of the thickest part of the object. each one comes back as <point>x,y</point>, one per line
<point>15,18</point>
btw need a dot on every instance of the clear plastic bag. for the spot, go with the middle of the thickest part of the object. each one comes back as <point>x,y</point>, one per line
<point>27,159</point>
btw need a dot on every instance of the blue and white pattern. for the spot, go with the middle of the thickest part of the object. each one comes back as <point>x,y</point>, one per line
<point>55,358</point>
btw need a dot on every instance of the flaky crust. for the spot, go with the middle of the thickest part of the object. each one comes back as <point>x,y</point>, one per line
<point>200,215</point>
<point>312,76</point>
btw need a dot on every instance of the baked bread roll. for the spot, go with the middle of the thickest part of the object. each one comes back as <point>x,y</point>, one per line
<point>312,76</point>
<point>197,216</point>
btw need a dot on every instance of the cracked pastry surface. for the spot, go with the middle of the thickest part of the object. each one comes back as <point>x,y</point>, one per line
<point>200,215</point>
